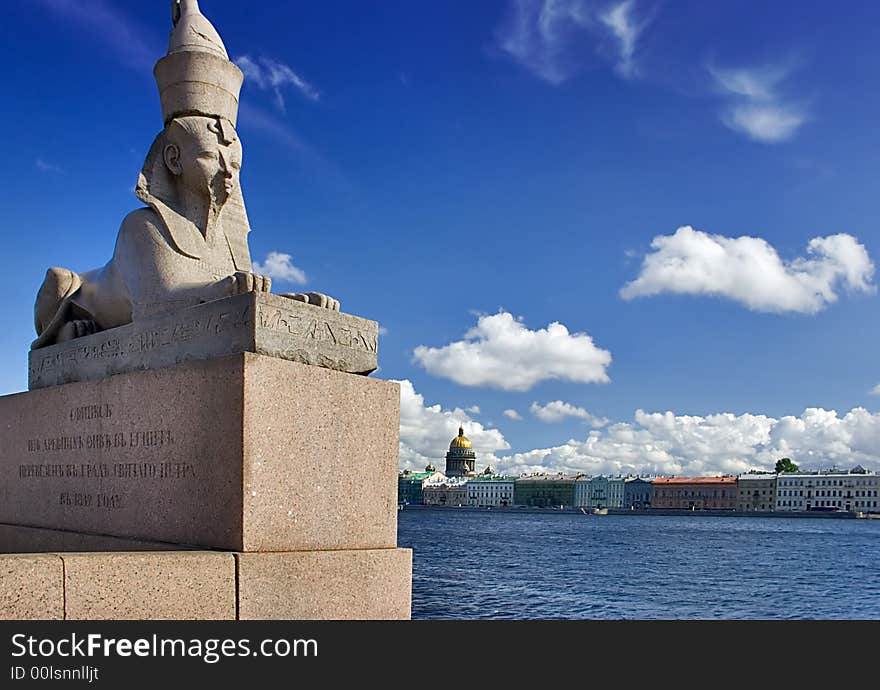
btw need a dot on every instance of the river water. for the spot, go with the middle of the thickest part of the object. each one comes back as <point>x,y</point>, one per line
<point>532,565</point>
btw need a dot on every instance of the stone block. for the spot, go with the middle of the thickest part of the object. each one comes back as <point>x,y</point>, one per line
<point>373,584</point>
<point>31,587</point>
<point>260,323</point>
<point>17,539</point>
<point>243,453</point>
<point>176,585</point>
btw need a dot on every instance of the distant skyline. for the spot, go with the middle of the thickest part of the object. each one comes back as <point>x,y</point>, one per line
<point>604,237</point>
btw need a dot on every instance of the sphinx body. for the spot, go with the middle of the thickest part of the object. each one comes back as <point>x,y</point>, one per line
<point>188,245</point>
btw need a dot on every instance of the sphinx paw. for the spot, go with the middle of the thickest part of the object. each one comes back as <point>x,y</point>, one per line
<point>77,329</point>
<point>317,298</point>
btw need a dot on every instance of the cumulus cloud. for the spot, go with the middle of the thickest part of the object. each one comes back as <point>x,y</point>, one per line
<point>749,270</point>
<point>755,106</point>
<point>500,352</point>
<point>474,409</point>
<point>558,410</point>
<point>682,445</point>
<point>280,267</point>
<point>426,430</point>
<point>271,75</point>
<point>512,414</point>
<point>548,37</point>
<point>875,390</point>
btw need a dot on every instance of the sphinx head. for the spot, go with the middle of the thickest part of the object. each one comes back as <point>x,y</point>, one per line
<point>203,156</point>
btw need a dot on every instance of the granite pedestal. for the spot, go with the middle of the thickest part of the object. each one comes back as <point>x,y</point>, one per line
<point>113,490</point>
<point>244,452</point>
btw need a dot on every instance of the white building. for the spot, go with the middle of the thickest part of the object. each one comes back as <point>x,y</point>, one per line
<point>790,492</point>
<point>582,491</point>
<point>857,490</point>
<point>490,491</point>
<point>601,492</point>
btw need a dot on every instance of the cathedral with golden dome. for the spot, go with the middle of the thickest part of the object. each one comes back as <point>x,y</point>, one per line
<point>461,459</point>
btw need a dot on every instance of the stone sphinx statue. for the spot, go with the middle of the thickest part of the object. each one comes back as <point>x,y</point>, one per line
<point>188,245</point>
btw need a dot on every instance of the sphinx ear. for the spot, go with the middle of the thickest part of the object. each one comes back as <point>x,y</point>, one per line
<point>172,158</point>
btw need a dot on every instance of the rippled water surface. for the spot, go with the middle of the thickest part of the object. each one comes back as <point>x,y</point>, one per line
<point>493,564</point>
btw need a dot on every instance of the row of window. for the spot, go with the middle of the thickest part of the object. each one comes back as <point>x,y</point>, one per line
<point>829,482</point>
<point>682,493</point>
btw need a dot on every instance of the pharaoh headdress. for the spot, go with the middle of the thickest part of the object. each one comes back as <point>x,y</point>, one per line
<point>196,78</point>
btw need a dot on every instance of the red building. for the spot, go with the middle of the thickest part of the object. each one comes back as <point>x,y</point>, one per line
<point>694,493</point>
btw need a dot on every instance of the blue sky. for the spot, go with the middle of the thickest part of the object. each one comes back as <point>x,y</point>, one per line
<point>688,189</point>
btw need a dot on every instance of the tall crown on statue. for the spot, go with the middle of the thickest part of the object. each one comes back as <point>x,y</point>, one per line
<point>197,76</point>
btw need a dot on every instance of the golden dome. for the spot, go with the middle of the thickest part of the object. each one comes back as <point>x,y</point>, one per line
<point>460,441</point>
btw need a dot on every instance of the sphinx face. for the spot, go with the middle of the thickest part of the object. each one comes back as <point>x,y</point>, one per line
<point>207,164</point>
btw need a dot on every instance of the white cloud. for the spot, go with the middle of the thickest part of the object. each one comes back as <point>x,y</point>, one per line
<point>875,390</point>
<point>280,266</point>
<point>500,352</point>
<point>620,20</point>
<point>548,37</point>
<point>766,122</point>
<point>755,106</point>
<point>425,432</point>
<point>665,443</point>
<point>558,410</point>
<point>43,166</point>
<point>750,271</point>
<point>268,74</point>
<point>474,409</point>
<point>512,414</point>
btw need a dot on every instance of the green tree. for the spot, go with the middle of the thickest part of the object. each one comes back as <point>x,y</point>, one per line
<point>785,465</point>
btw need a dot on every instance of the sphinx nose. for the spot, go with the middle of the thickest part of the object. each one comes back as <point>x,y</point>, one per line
<point>225,166</point>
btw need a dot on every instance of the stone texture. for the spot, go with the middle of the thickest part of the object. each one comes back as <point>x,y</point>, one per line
<point>320,451</point>
<point>245,453</point>
<point>325,585</point>
<point>180,585</point>
<point>371,584</point>
<point>16,539</point>
<point>252,322</point>
<point>31,587</point>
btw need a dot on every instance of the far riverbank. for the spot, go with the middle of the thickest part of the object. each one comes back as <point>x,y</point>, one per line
<point>835,515</point>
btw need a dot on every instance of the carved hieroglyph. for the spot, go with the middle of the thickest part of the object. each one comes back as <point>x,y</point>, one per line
<point>189,244</point>
<point>256,322</point>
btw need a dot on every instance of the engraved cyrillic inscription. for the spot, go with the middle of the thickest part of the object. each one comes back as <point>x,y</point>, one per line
<point>89,412</point>
<point>84,500</point>
<point>147,438</point>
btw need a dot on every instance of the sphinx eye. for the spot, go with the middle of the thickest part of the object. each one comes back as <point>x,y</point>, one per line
<point>208,155</point>
<point>236,165</point>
